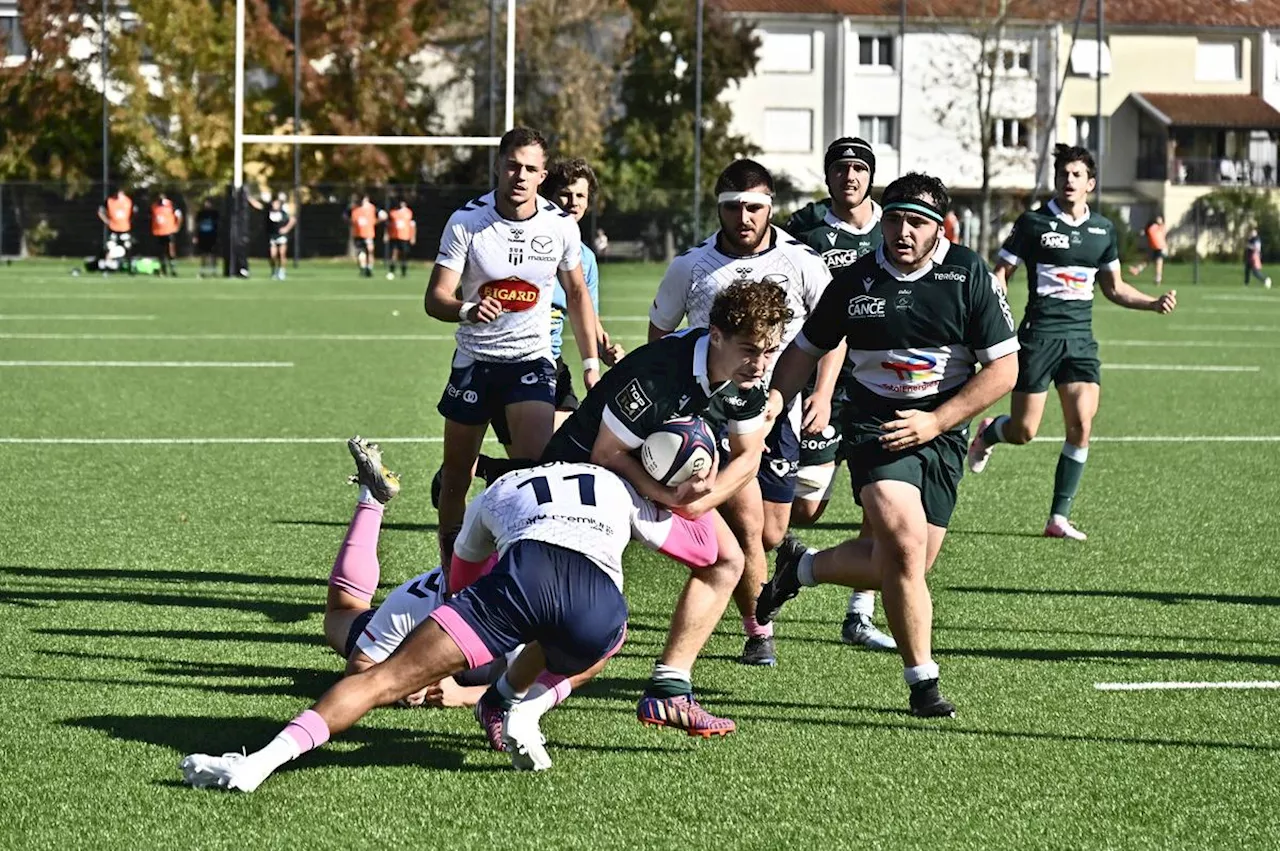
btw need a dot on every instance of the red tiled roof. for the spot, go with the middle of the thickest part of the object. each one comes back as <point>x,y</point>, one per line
<point>1241,112</point>
<point>1252,14</point>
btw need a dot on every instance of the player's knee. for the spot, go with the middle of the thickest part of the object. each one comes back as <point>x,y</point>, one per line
<point>727,569</point>
<point>775,529</point>
<point>1019,433</point>
<point>1078,434</point>
<point>806,512</point>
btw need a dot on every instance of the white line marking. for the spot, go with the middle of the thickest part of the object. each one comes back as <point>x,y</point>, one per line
<point>213,441</point>
<point>171,364</point>
<point>1263,298</point>
<point>1179,367</point>
<point>1272,328</point>
<point>205,441</point>
<point>77,317</point>
<point>1242,684</point>
<point>326,338</point>
<point>1191,344</point>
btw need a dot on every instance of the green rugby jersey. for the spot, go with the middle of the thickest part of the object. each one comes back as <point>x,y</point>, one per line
<point>657,382</point>
<point>840,243</point>
<point>914,339</point>
<point>1063,257</point>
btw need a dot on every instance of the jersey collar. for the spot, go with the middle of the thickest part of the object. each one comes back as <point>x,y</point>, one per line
<point>700,350</point>
<point>830,220</point>
<point>939,254</point>
<point>1058,211</point>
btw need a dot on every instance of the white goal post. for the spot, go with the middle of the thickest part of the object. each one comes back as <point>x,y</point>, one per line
<point>242,139</point>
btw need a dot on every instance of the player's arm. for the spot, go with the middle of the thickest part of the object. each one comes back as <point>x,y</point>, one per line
<point>746,446</point>
<point>288,226</point>
<point>671,300</point>
<point>817,406</point>
<point>1011,253</point>
<point>821,337</point>
<point>1117,291</point>
<point>102,215</point>
<point>472,547</point>
<point>413,232</point>
<point>690,542</point>
<point>613,451</point>
<point>583,319</point>
<point>440,300</point>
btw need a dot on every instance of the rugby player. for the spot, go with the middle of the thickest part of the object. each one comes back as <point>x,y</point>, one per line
<point>401,235</point>
<point>919,316</point>
<point>505,252</point>
<point>561,530</point>
<point>1067,248</point>
<point>279,224</point>
<point>849,229</point>
<point>748,247</point>
<point>117,214</point>
<point>166,221</point>
<point>206,236</point>
<point>364,217</point>
<point>714,372</point>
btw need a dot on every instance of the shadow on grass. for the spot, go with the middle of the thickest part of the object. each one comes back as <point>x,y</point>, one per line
<point>630,689</point>
<point>276,610</point>
<point>100,573</point>
<point>190,635</point>
<point>342,524</point>
<point>1167,597</point>
<point>376,747</point>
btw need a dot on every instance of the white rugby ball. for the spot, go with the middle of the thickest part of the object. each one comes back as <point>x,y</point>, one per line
<point>681,449</point>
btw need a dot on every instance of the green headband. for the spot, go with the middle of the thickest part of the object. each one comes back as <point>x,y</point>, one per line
<point>914,207</point>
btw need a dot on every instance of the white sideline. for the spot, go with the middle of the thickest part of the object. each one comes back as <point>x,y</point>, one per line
<point>1241,684</point>
<point>1178,367</point>
<point>77,317</point>
<point>1266,298</point>
<point>1271,328</point>
<point>214,441</point>
<point>167,364</point>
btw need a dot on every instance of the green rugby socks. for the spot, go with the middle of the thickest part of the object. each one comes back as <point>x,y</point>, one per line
<point>1066,479</point>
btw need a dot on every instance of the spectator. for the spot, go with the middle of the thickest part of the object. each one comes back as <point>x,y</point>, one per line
<point>1156,245</point>
<point>1253,259</point>
<point>600,243</point>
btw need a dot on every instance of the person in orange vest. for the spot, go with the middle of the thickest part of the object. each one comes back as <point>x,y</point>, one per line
<point>401,234</point>
<point>364,218</point>
<point>117,214</point>
<point>1156,244</point>
<point>166,221</point>
<point>951,228</point>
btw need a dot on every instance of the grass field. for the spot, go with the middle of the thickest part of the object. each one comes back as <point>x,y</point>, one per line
<point>159,597</point>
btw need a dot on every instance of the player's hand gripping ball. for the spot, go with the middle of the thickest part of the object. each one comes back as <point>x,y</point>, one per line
<point>681,449</point>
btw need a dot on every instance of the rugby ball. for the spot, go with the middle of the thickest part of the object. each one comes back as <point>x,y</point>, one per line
<point>679,450</point>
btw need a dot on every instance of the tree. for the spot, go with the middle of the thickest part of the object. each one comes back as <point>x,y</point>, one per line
<point>973,93</point>
<point>648,164</point>
<point>52,114</point>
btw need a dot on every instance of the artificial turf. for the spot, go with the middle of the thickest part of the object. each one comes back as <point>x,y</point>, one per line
<point>159,598</point>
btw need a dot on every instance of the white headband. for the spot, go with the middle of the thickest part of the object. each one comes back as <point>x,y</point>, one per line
<point>744,198</point>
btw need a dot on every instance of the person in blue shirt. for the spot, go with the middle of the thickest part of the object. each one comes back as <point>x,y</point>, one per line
<point>572,185</point>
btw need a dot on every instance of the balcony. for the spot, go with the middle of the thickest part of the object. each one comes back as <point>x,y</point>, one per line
<point>1209,171</point>
<point>1207,140</point>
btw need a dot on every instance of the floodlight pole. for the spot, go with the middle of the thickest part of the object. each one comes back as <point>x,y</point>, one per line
<point>297,128</point>
<point>237,169</point>
<point>697,125</point>
<point>510,118</point>
<point>106,136</point>
<point>493,77</point>
<point>1097,118</point>
<point>902,84</point>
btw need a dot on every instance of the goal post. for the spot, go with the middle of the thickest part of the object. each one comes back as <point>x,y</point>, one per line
<point>242,138</point>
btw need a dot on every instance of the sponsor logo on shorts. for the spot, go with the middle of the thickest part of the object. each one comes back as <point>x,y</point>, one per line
<point>632,400</point>
<point>515,294</point>
<point>452,392</point>
<point>1055,240</point>
<point>866,307</point>
<point>470,397</point>
<point>816,443</point>
<point>529,378</point>
<point>949,276</point>
<point>783,468</point>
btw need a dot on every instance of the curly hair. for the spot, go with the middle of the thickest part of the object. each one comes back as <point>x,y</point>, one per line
<point>561,173</point>
<point>754,309</point>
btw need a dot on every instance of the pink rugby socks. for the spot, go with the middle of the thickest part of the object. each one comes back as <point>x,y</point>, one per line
<point>355,570</point>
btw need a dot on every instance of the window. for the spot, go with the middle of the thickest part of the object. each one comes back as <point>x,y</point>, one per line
<point>1218,61</point>
<point>788,130</point>
<point>11,41</point>
<point>1011,133</point>
<point>876,51</point>
<point>1011,59</point>
<point>1084,58</point>
<point>786,53</point>
<point>879,129</point>
<point>1082,133</point>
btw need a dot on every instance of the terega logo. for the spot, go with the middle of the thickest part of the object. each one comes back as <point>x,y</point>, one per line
<point>515,294</point>
<point>911,367</point>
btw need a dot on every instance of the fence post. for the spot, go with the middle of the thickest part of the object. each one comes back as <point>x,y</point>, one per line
<point>1195,218</point>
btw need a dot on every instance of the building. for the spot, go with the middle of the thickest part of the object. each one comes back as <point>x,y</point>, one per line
<point>1190,92</point>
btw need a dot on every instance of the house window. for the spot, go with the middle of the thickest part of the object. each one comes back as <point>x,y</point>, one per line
<point>786,53</point>
<point>876,51</point>
<point>788,131</point>
<point>1011,60</point>
<point>11,41</point>
<point>1084,58</point>
<point>879,129</point>
<point>1082,133</point>
<point>1218,61</point>
<point>1011,133</point>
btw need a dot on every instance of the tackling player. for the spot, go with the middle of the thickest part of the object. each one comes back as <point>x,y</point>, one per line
<point>849,229</point>
<point>561,530</point>
<point>716,373</point>
<point>1067,248</point>
<point>401,235</point>
<point>505,251</point>
<point>364,218</point>
<point>919,316</point>
<point>166,221</point>
<point>748,247</point>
